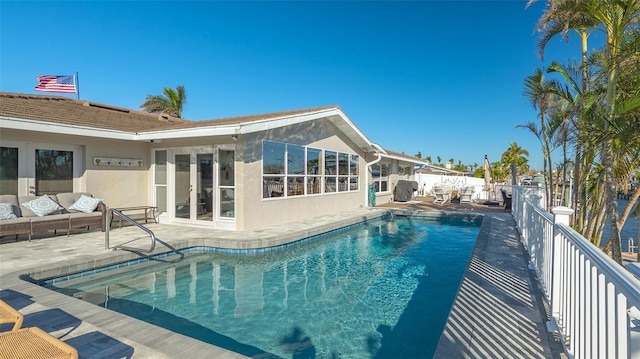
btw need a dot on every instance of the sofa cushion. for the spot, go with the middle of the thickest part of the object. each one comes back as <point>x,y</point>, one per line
<point>15,220</point>
<point>13,200</point>
<point>6,211</point>
<point>51,217</point>
<point>43,206</point>
<point>85,204</point>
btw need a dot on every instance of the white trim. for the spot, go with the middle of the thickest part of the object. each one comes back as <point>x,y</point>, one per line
<point>335,115</point>
<point>404,159</point>
<point>32,125</point>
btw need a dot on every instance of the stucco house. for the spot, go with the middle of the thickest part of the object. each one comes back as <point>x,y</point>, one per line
<point>238,173</point>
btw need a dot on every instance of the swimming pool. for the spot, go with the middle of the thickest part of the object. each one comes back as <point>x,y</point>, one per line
<point>379,289</point>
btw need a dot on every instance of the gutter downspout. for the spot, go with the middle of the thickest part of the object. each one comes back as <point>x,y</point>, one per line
<point>369,164</point>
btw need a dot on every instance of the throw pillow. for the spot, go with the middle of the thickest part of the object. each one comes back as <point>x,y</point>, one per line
<point>6,211</point>
<point>43,206</point>
<point>86,204</point>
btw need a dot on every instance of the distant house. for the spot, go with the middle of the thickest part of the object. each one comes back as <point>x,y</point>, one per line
<point>238,173</point>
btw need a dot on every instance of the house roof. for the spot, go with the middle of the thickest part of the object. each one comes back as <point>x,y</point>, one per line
<point>58,114</point>
<point>404,157</point>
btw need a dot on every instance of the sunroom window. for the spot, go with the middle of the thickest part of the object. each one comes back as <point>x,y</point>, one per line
<point>380,176</point>
<point>293,170</point>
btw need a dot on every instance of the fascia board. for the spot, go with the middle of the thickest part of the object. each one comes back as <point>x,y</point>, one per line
<point>404,159</point>
<point>363,140</point>
<point>31,125</point>
<point>344,124</point>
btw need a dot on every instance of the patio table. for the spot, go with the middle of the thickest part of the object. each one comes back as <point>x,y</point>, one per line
<point>149,213</point>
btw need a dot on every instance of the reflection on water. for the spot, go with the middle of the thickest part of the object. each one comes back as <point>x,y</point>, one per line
<point>382,287</point>
<point>629,230</point>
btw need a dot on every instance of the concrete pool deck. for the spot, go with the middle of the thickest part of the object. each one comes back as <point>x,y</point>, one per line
<point>498,311</point>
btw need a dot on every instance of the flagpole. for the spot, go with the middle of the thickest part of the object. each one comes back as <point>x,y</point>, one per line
<point>77,85</point>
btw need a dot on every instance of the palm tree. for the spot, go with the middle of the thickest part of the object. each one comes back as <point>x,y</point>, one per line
<point>614,18</point>
<point>171,102</point>
<point>560,17</point>
<point>518,155</point>
<point>537,89</point>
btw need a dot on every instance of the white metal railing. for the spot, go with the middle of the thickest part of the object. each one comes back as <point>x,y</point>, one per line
<point>152,236</point>
<point>594,301</point>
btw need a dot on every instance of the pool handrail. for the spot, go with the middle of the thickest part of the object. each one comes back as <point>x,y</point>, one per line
<point>135,223</point>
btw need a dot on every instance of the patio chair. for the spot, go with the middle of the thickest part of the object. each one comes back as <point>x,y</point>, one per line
<point>34,343</point>
<point>443,195</point>
<point>506,200</point>
<point>466,195</point>
<point>9,315</point>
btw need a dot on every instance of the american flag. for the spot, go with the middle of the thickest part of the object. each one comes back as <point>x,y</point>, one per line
<point>52,83</point>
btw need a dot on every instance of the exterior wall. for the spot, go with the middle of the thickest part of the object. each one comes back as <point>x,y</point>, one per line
<point>394,177</point>
<point>131,186</point>
<point>255,212</point>
<point>117,186</point>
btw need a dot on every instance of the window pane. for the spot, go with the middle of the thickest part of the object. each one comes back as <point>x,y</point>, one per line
<point>313,161</point>
<point>343,183</point>
<point>182,185</point>
<point>375,171</point>
<point>404,170</point>
<point>161,198</point>
<point>354,167</point>
<point>204,186</point>
<point>273,157</point>
<point>295,186</point>
<point>226,165</point>
<point>330,163</point>
<point>54,171</point>
<point>161,167</point>
<point>295,160</point>
<point>227,202</point>
<point>329,184</point>
<point>343,167</point>
<point>273,187</point>
<point>313,185</point>
<point>384,177</point>
<point>384,170</point>
<point>353,183</point>
<point>8,170</point>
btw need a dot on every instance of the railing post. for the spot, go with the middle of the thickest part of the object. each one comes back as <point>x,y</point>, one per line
<point>561,215</point>
<point>107,228</point>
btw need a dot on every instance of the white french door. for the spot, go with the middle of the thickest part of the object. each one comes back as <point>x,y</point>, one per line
<point>193,183</point>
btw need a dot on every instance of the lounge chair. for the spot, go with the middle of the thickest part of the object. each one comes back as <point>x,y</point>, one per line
<point>34,343</point>
<point>29,342</point>
<point>9,315</point>
<point>466,195</point>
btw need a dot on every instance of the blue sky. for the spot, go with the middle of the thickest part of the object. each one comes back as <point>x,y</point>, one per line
<point>444,78</point>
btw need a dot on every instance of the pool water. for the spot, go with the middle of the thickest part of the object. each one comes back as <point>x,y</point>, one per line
<point>381,289</point>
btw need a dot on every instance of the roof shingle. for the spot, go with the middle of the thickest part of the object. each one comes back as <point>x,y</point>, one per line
<point>64,110</point>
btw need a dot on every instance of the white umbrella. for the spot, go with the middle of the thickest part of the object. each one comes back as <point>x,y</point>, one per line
<point>487,174</point>
<point>487,177</point>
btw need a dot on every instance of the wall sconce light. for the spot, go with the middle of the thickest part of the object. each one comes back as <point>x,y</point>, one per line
<point>234,137</point>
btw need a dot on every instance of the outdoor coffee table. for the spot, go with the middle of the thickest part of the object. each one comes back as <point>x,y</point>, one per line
<point>149,213</point>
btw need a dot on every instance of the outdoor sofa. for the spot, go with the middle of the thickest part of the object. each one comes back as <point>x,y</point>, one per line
<point>65,211</point>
